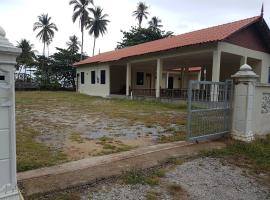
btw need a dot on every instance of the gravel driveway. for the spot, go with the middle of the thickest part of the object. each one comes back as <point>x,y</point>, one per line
<point>202,179</point>
<point>209,178</point>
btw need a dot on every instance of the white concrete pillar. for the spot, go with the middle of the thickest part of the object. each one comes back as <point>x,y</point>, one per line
<point>8,180</point>
<point>216,65</point>
<point>215,74</point>
<point>244,94</point>
<point>159,77</point>
<point>128,79</point>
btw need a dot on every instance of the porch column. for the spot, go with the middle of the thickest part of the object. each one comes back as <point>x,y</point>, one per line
<point>128,79</point>
<point>243,60</point>
<point>215,74</point>
<point>159,77</point>
<point>216,66</point>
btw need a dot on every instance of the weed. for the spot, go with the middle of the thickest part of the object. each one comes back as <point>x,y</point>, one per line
<point>257,153</point>
<point>178,136</point>
<point>152,195</point>
<point>136,176</point>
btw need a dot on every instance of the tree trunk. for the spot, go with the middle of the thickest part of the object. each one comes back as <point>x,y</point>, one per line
<point>94,45</point>
<point>44,49</point>
<point>82,46</point>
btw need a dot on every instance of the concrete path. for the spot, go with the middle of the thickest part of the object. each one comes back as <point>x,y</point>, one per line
<point>91,170</point>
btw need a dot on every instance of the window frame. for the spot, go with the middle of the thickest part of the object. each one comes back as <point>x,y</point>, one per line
<point>82,78</point>
<point>103,77</point>
<point>269,75</point>
<point>93,77</point>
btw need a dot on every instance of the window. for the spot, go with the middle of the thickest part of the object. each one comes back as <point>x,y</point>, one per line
<point>2,78</point>
<point>102,77</point>
<point>93,77</point>
<point>140,78</point>
<point>82,77</point>
<point>269,75</point>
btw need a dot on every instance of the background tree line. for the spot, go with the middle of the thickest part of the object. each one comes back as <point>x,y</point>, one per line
<point>56,71</point>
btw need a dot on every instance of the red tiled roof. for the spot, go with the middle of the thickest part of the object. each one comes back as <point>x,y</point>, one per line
<point>213,34</point>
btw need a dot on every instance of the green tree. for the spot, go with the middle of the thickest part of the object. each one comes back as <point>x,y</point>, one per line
<point>46,33</point>
<point>141,35</point>
<point>26,58</point>
<point>80,12</point>
<point>62,67</point>
<point>97,24</point>
<point>44,73</point>
<point>155,23</point>
<point>141,12</point>
<point>73,44</point>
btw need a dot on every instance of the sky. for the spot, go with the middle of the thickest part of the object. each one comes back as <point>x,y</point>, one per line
<point>179,16</point>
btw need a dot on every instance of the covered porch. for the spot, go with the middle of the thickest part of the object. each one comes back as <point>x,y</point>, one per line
<point>168,76</point>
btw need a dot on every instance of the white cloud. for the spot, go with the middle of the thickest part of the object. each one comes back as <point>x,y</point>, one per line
<point>17,17</point>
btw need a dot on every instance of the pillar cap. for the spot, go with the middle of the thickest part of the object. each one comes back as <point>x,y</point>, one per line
<point>6,46</point>
<point>245,71</point>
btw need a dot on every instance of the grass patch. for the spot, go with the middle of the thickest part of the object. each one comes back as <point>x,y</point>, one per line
<point>32,154</point>
<point>178,136</point>
<point>76,137</point>
<point>109,146</point>
<point>152,195</point>
<point>136,176</point>
<point>175,191</point>
<point>256,153</point>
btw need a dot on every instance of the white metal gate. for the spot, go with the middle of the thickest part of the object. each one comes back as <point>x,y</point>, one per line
<point>209,109</point>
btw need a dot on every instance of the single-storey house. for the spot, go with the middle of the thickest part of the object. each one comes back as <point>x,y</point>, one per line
<point>163,68</point>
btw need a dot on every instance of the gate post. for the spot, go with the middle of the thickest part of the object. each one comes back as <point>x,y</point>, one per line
<point>8,180</point>
<point>243,104</point>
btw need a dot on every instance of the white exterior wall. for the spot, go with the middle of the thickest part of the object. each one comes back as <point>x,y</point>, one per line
<point>261,111</point>
<point>97,89</point>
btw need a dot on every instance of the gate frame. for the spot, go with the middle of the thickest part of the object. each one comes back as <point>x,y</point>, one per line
<point>227,108</point>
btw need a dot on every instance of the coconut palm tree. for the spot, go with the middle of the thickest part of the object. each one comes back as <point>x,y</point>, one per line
<point>155,23</point>
<point>73,44</point>
<point>141,12</point>
<point>97,24</point>
<point>46,28</point>
<point>80,12</point>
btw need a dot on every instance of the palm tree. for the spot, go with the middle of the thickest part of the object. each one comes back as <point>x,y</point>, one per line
<point>80,12</point>
<point>155,23</point>
<point>47,29</point>
<point>73,44</point>
<point>97,24</point>
<point>141,12</point>
<point>26,58</point>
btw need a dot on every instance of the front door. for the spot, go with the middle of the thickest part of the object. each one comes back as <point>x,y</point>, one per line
<point>170,83</point>
<point>148,84</point>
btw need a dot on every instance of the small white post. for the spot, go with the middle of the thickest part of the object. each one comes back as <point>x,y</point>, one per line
<point>128,79</point>
<point>244,94</point>
<point>159,77</point>
<point>8,180</point>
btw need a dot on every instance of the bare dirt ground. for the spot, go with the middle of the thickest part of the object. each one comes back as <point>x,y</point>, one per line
<point>69,126</point>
